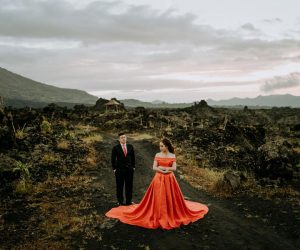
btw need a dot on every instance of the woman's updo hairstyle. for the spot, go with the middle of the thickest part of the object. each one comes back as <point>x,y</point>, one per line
<point>168,144</point>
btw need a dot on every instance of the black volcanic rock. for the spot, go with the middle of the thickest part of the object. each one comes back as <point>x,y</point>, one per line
<point>276,159</point>
<point>1,115</point>
<point>7,173</point>
<point>6,138</point>
<point>101,104</point>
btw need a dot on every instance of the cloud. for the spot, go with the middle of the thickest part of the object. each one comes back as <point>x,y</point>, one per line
<point>105,22</point>
<point>273,20</point>
<point>248,26</point>
<point>104,46</point>
<point>101,22</point>
<point>282,82</point>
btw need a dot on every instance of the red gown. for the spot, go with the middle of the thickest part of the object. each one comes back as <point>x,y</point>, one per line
<point>163,204</point>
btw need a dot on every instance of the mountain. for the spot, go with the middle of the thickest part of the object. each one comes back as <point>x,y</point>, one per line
<point>262,101</point>
<point>154,104</point>
<point>17,90</point>
<point>158,102</point>
<point>257,102</point>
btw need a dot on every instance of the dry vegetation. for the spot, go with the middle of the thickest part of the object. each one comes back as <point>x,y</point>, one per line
<point>63,145</point>
<point>210,180</point>
<point>64,212</point>
<point>140,136</point>
<point>60,209</point>
<point>92,138</point>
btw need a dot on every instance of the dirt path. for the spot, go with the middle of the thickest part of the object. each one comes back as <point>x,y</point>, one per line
<point>224,227</point>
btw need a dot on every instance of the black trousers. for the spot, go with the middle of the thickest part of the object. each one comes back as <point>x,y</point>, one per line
<point>124,176</point>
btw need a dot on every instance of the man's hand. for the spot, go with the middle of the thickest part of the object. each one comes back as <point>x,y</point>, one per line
<point>115,170</point>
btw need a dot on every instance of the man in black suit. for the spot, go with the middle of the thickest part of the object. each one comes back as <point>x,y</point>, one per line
<point>123,164</point>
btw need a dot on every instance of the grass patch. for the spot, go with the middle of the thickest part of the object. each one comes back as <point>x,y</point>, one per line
<point>43,244</point>
<point>91,158</point>
<point>50,158</point>
<point>201,178</point>
<point>140,136</point>
<point>66,210</point>
<point>63,145</point>
<point>87,128</point>
<point>92,138</point>
<point>23,185</point>
<point>209,180</point>
<point>46,127</point>
<point>297,150</point>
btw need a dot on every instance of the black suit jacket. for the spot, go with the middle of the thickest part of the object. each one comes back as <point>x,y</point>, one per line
<point>118,159</point>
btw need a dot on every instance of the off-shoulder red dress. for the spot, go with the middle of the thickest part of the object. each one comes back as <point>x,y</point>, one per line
<point>163,205</point>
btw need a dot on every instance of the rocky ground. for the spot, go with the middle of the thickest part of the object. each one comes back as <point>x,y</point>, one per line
<point>57,183</point>
<point>68,213</point>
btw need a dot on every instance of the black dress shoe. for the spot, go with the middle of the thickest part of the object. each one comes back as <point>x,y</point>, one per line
<point>130,203</point>
<point>120,204</point>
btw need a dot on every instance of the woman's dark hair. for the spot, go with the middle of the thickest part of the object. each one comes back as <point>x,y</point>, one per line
<point>168,144</point>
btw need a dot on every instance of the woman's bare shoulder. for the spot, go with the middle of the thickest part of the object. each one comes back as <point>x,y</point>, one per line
<point>159,154</point>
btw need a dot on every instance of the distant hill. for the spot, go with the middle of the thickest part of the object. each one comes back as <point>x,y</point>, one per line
<point>21,91</point>
<point>266,101</point>
<point>155,104</point>
<point>259,101</point>
<point>16,103</point>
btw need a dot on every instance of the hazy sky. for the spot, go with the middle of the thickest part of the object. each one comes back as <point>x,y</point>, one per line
<point>172,50</point>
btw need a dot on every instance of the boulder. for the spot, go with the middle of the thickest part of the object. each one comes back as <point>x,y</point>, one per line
<point>232,179</point>
<point>276,159</point>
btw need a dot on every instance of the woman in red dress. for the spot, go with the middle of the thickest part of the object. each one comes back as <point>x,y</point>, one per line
<point>163,205</point>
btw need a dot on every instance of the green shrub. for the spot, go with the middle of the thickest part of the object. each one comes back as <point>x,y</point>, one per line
<point>46,127</point>
<point>23,184</point>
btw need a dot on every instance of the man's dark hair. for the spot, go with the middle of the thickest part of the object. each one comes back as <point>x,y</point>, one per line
<point>122,133</point>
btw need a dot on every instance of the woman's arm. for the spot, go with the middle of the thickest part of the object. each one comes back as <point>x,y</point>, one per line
<point>169,169</point>
<point>158,168</point>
